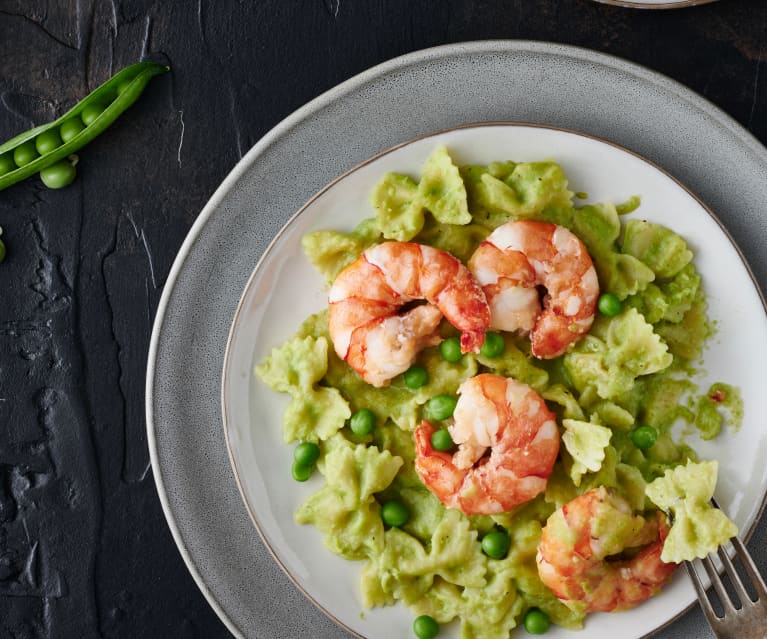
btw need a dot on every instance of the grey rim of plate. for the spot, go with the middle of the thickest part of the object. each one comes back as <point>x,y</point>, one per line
<point>680,4</point>
<point>583,91</point>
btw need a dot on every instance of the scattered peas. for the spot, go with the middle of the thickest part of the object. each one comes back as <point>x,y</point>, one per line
<point>644,437</point>
<point>306,453</point>
<point>301,472</point>
<point>415,377</point>
<point>395,514</point>
<point>496,544</point>
<point>493,345</point>
<point>2,248</point>
<point>6,163</point>
<point>609,305</point>
<point>536,621</point>
<point>441,440</point>
<point>91,111</point>
<point>441,407</point>
<point>70,129</point>
<point>450,349</point>
<point>59,175</point>
<point>425,627</point>
<point>25,153</point>
<point>362,421</point>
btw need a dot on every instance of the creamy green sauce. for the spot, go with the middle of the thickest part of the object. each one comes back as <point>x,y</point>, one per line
<point>632,369</point>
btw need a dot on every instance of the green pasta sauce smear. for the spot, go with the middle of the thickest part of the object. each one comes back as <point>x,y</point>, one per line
<point>617,394</point>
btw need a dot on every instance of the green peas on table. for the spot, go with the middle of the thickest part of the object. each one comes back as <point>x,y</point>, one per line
<point>71,128</point>
<point>441,440</point>
<point>609,305</point>
<point>395,514</point>
<point>536,621</point>
<point>450,349</point>
<point>416,377</point>
<point>362,421</point>
<point>306,453</point>
<point>496,544</point>
<point>59,175</point>
<point>2,248</point>
<point>425,627</point>
<point>644,437</point>
<point>49,144</point>
<point>493,345</point>
<point>25,153</point>
<point>441,407</point>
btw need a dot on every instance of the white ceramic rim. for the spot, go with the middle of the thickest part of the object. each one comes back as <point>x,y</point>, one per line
<point>472,47</point>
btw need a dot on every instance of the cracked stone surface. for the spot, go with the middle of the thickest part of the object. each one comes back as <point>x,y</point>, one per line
<point>84,548</point>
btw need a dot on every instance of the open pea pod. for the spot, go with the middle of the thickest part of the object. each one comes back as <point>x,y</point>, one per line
<point>115,96</point>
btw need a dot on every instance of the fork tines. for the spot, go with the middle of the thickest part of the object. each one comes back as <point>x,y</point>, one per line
<point>745,618</point>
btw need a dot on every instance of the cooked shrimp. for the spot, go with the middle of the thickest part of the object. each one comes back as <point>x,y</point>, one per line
<point>577,543</point>
<point>369,334</point>
<point>502,417</point>
<point>519,256</point>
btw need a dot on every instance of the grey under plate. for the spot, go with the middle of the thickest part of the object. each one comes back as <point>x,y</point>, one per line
<point>415,94</point>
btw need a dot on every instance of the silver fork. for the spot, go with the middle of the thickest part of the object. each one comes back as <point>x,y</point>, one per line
<point>749,619</point>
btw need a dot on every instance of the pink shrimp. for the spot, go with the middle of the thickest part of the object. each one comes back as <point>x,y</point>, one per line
<point>365,327</point>
<point>577,541</point>
<point>519,256</point>
<point>508,419</point>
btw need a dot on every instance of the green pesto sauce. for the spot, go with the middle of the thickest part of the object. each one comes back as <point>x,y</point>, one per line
<point>629,206</point>
<point>721,406</point>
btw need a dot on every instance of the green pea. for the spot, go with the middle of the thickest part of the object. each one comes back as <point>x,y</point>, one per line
<point>496,544</point>
<point>415,377</point>
<point>450,349</point>
<point>362,422</point>
<point>425,627</point>
<point>493,345</point>
<point>306,453</point>
<point>2,251</point>
<point>70,129</point>
<point>6,163</point>
<point>301,472</point>
<point>91,111</point>
<point>609,305</point>
<point>59,175</point>
<point>47,141</point>
<point>536,621</point>
<point>395,514</point>
<point>441,439</point>
<point>25,153</point>
<point>123,85</point>
<point>441,406</point>
<point>644,437</point>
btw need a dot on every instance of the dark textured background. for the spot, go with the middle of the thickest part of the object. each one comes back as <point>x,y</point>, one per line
<point>84,548</point>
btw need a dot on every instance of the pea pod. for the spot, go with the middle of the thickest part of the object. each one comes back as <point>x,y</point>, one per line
<point>115,95</point>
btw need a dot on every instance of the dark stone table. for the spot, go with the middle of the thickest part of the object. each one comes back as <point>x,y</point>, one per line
<point>84,548</point>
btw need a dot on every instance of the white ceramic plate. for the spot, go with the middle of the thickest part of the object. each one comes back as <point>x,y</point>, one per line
<point>284,289</point>
<point>656,4</point>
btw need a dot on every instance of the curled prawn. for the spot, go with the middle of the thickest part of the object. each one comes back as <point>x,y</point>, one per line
<point>578,540</point>
<point>507,445</point>
<point>379,342</point>
<point>517,258</point>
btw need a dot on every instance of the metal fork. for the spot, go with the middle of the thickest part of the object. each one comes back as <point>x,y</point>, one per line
<point>749,619</point>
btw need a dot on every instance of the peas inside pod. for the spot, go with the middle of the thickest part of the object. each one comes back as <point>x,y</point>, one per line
<point>49,149</point>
